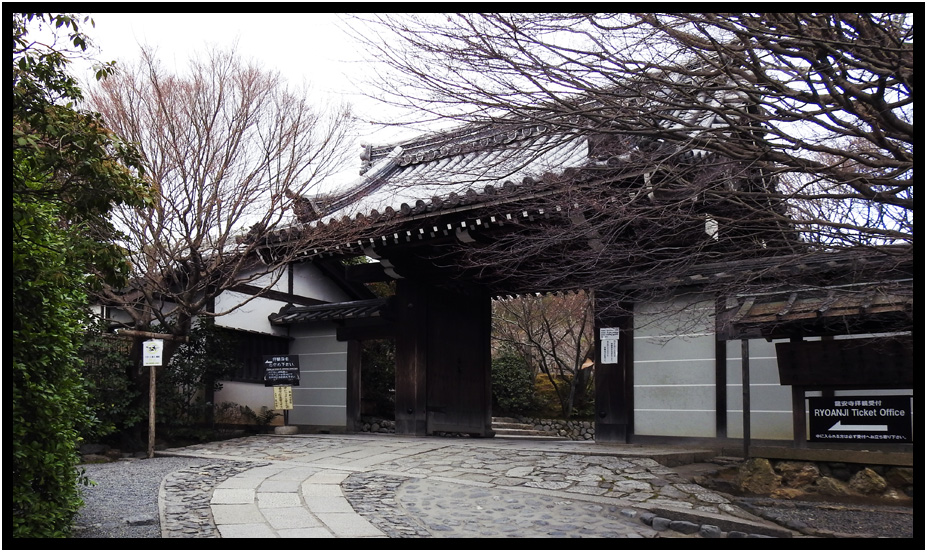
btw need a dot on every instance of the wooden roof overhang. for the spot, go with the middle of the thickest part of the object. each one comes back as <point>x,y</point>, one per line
<point>875,307</point>
<point>365,319</point>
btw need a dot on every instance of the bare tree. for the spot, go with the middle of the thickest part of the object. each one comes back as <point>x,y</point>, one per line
<point>229,149</point>
<point>554,334</point>
<point>774,133</point>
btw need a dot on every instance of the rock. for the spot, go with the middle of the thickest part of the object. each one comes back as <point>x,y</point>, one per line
<point>757,476</point>
<point>736,535</point>
<point>900,477</point>
<point>831,487</point>
<point>868,482</point>
<point>684,527</point>
<point>647,518</point>
<point>798,474</point>
<point>709,532</point>
<point>113,454</point>
<point>894,494</point>
<point>787,493</point>
<point>661,523</point>
<point>92,448</point>
<point>286,430</point>
<point>94,459</point>
<point>141,520</point>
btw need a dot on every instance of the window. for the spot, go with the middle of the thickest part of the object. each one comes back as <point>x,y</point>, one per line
<point>252,347</point>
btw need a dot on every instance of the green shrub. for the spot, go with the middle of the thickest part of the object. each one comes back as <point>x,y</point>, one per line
<point>196,367</point>
<point>48,407</point>
<point>112,394</point>
<point>512,383</point>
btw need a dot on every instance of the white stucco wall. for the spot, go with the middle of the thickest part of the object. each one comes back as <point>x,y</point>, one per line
<point>770,402</point>
<point>252,395</point>
<point>309,281</point>
<point>674,369</point>
<point>251,316</point>
<point>321,397</point>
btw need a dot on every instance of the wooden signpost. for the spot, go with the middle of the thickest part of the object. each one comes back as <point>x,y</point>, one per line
<point>152,356</point>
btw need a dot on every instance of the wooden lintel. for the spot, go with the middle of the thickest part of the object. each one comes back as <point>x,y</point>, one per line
<point>152,335</point>
<point>366,273</point>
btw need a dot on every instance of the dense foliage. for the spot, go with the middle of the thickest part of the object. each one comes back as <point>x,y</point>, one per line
<point>185,387</point>
<point>512,383</point>
<point>112,395</point>
<point>67,174</point>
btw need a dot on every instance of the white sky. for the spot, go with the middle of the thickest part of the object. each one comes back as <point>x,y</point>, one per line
<point>304,47</point>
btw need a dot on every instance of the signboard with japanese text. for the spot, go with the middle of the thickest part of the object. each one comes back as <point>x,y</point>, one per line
<point>281,370</point>
<point>283,397</point>
<point>153,352</point>
<point>609,343</point>
<point>873,419</point>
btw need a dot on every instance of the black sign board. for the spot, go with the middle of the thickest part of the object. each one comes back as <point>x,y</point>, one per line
<point>873,419</point>
<point>281,370</point>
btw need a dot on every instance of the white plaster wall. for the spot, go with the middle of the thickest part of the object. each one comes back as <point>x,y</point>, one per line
<point>252,395</point>
<point>770,402</point>
<point>251,316</point>
<point>321,397</point>
<point>674,368</point>
<point>310,282</point>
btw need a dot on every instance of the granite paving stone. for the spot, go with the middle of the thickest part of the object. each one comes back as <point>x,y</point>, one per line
<point>398,487</point>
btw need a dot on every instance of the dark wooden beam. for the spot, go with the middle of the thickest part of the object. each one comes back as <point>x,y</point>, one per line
<point>366,273</point>
<point>276,295</point>
<point>380,330</point>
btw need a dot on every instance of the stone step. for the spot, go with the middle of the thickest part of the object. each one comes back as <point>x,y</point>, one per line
<point>528,434</point>
<point>503,420</point>
<point>511,427</point>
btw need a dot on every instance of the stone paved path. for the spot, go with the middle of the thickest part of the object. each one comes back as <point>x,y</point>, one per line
<point>388,486</point>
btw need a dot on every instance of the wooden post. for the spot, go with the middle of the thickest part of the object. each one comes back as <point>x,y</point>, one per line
<point>152,357</point>
<point>151,411</point>
<point>745,371</point>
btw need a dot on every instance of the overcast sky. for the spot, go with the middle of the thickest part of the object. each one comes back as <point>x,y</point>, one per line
<point>310,47</point>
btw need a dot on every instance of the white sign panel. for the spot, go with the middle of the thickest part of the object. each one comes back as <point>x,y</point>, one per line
<point>153,352</point>
<point>609,339</point>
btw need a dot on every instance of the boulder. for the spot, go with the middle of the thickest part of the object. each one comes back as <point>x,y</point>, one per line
<point>94,459</point>
<point>787,493</point>
<point>92,448</point>
<point>756,476</point>
<point>900,477</point>
<point>868,482</point>
<point>113,454</point>
<point>831,487</point>
<point>798,474</point>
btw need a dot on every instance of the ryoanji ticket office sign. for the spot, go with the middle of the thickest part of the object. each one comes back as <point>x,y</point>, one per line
<point>872,419</point>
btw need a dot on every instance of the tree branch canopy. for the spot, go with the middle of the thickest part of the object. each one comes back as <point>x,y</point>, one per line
<point>228,147</point>
<point>823,103</point>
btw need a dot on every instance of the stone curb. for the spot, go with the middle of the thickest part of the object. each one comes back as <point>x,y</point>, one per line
<point>709,531</point>
<point>727,524</point>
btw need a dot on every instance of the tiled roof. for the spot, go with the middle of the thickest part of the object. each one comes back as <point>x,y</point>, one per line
<point>433,172</point>
<point>329,312</point>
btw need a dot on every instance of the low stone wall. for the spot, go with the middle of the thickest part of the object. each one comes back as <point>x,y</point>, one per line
<point>798,479</point>
<point>571,429</point>
<point>376,425</point>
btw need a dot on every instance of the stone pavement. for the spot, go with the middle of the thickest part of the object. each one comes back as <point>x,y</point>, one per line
<point>389,486</point>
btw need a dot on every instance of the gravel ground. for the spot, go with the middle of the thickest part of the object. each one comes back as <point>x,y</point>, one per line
<point>835,519</point>
<point>124,504</point>
<point>124,501</point>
